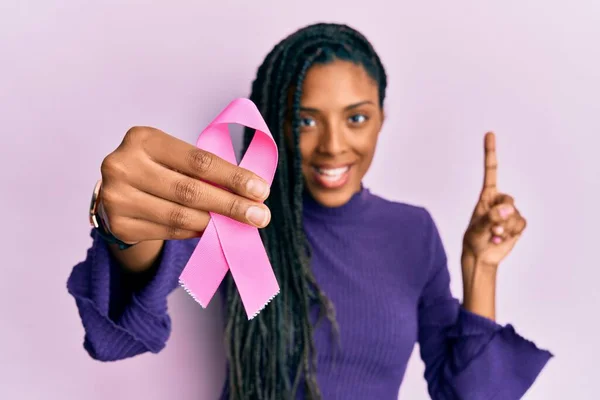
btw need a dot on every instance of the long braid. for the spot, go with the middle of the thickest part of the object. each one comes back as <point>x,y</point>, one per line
<point>269,355</point>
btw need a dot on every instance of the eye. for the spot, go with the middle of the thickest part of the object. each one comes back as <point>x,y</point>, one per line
<point>358,119</point>
<point>307,122</point>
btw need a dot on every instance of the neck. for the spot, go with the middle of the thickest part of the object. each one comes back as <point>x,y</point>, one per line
<point>356,205</point>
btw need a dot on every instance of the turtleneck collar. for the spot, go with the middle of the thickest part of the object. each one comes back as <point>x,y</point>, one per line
<point>357,205</point>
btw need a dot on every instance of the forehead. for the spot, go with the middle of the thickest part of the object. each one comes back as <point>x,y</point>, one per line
<point>338,83</point>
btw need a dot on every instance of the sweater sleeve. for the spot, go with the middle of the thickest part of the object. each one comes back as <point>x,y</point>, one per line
<point>124,315</point>
<point>469,357</point>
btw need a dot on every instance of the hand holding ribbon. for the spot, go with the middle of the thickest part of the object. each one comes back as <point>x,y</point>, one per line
<point>227,244</point>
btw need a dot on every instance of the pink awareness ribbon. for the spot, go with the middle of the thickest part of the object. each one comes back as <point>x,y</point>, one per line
<point>227,244</point>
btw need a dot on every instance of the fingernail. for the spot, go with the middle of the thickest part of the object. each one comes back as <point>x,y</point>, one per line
<point>506,211</point>
<point>496,239</point>
<point>258,216</point>
<point>498,230</point>
<point>257,188</point>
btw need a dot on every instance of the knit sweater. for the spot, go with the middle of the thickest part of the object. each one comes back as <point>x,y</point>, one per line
<point>383,266</point>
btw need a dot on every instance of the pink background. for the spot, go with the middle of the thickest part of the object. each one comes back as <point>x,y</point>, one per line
<point>75,75</point>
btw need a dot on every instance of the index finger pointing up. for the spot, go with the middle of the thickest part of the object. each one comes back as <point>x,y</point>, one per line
<point>490,161</point>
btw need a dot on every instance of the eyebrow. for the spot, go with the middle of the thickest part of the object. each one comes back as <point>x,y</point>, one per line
<point>347,108</point>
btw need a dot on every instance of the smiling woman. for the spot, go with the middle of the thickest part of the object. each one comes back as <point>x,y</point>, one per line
<point>375,269</point>
<point>340,120</point>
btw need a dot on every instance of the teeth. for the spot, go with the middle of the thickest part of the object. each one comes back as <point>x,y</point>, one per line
<point>334,172</point>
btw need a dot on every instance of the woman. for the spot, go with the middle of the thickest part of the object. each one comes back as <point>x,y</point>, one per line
<point>375,270</point>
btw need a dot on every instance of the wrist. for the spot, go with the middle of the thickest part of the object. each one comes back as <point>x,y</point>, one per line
<point>479,286</point>
<point>469,261</point>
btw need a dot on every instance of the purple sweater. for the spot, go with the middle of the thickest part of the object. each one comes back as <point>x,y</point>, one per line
<point>383,266</point>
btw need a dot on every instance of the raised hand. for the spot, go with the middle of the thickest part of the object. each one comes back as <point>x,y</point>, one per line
<point>496,225</point>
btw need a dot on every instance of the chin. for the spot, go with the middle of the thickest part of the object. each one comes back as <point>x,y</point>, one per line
<point>329,198</point>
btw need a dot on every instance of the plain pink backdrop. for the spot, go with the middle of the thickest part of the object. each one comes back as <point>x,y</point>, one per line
<point>74,75</point>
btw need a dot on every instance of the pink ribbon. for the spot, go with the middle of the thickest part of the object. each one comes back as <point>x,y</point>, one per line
<point>227,244</point>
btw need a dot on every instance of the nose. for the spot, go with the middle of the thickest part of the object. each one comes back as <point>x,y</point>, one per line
<point>332,140</point>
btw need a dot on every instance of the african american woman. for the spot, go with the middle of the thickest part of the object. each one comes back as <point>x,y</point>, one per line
<point>362,278</point>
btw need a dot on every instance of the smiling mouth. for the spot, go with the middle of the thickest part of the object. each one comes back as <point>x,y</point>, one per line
<point>332,178</point>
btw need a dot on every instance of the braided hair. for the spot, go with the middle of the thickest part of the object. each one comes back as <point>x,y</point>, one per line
<point>272,354</point>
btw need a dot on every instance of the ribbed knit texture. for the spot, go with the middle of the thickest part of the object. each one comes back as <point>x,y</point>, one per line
<point>383,266</point>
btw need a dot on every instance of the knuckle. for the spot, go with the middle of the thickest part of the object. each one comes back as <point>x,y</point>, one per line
<point>507,199</point>
<point>178,217</point>
<point>200,161</point>
<point>108,166</point>
<point>522,224</point>
<point>186,192</point>
<point>136,134</point>
<point>235,208</point>
<point>113,168</point>
<point>109,199</point>
<point>238,179</point>
<point>174,232</point>
<point>509,224</point>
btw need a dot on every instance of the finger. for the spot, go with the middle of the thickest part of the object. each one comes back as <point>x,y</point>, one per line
<point>490,162</point>
<point>492,223</point>
<point>505,228</point>
<point>499,230</point>
<point>131,230</point>
<point>200,164</point>
<point>508,227</point>
<point>515,226</point>
<point>144,206</point>
<point>192,193</point>
<point>502,198</point>
<point>501,212</point>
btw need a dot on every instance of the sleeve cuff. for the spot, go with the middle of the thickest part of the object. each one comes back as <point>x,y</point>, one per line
<point>142,323</point>
<point>153,296</point>
<point>147,311</point>
<point>505,364</point>
<point>471,324</point>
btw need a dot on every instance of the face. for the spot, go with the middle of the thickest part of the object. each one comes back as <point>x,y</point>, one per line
<point>340,120</point>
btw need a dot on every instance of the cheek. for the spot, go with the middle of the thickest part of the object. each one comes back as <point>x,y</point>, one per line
<point>365,147</point>
<point>366,143</point>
